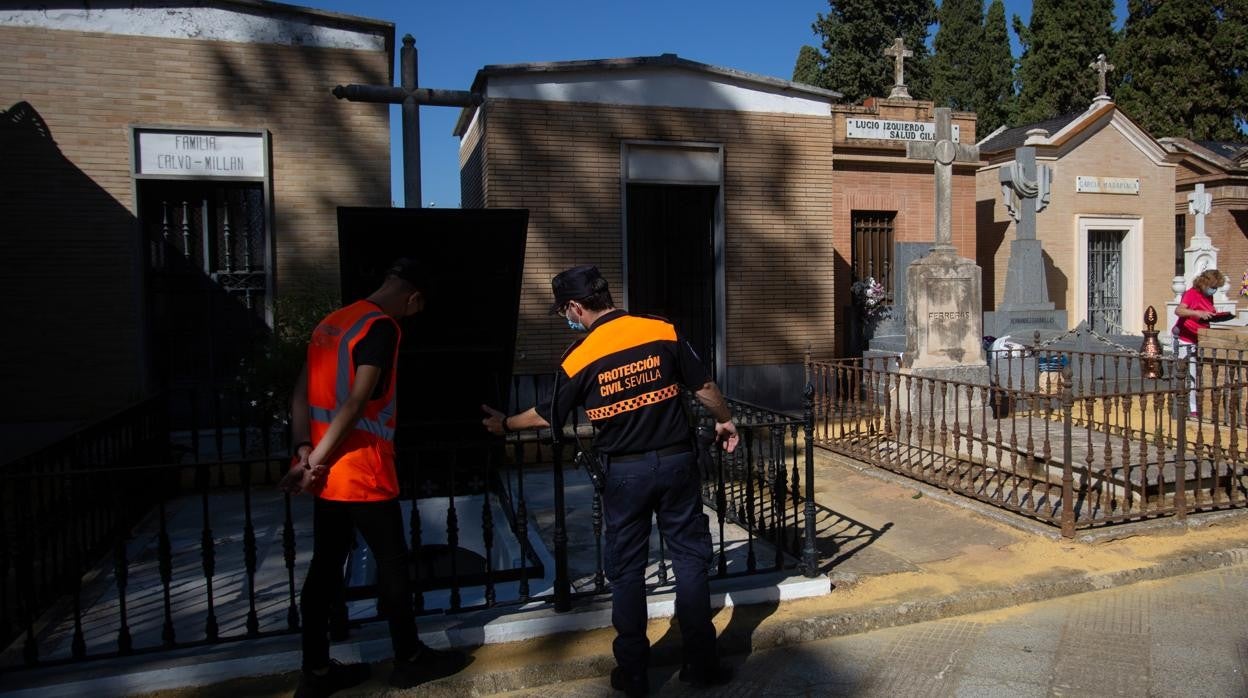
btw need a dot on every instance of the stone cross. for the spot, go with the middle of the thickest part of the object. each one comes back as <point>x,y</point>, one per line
<point>411,97</point>
<point>899,53</point>
<point>1199,204</point>
<point>1101,66</point>
<point>944,151</point>
<point>1024,182</point>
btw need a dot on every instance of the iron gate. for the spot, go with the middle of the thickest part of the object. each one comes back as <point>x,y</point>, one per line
<point>1105,280</point>
<point>209,305</point>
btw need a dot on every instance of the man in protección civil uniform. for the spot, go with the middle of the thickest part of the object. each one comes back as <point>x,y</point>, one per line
<point>627,372</point>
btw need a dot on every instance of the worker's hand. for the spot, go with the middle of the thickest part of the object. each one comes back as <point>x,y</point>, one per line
<point>1205,315</point>
<point>493,421</point>
<point>304,477</point>
<point>726,435</point>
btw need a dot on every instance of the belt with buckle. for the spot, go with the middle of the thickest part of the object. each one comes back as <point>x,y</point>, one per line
<point>639,455</point>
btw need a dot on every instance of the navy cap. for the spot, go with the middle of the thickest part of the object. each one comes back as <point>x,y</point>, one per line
<point>410,270</point>
<point>576,284</point>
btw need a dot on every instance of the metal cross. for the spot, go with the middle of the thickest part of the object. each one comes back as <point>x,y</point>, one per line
<point>411,97</point>
<point>1101,66</point>
<point>899,54</point>
<point>944,151</point>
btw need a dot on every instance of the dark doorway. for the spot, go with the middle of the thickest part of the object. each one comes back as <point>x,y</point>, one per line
<point>671,259</point>
<point>206,244</point>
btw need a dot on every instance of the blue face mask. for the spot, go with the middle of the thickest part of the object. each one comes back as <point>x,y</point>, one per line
<point>1210,291</point>
<point>576,326</point>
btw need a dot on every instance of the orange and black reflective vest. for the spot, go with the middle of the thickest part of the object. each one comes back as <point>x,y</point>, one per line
<point>362,467</point>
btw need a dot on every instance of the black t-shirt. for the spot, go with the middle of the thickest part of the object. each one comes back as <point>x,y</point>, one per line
<point>627,374</point>
<point>376,348</point>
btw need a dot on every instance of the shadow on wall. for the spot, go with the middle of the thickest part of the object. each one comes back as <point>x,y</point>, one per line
<point>989,242</point>
<point>71,283</point>
<point>1059,284</point>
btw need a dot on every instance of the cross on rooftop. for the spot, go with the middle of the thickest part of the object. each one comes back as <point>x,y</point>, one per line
<point>1101,66</point>
<point>899,53</point>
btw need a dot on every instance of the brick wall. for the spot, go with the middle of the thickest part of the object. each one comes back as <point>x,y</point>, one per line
<point>562,162</point>
<point>78,280</point>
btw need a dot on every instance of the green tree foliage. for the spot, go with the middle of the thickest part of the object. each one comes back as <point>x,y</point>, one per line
<point>1231,45</point>
<point>994,73</point>
<point>1172,86</point>
<point>808,66</point>
<point>955,63</point>
<point>855,34</point>
<point>1064,36</point>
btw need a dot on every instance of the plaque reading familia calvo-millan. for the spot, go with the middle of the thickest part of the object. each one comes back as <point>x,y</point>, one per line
<point>199,154</point>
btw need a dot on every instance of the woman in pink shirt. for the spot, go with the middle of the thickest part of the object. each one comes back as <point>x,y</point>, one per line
<point>1194,311</point>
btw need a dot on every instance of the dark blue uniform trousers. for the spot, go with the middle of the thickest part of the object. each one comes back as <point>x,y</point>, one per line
<point>669,487</point>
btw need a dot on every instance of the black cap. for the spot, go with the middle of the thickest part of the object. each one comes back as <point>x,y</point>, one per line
<point>410,270</point>
<point>576,284</point>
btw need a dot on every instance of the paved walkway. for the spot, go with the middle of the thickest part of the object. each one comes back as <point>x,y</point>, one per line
<point>1183,636</point>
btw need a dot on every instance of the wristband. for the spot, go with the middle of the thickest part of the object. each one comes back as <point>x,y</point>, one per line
<point>507,429</point>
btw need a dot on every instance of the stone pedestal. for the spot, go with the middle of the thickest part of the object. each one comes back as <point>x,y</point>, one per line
<point>1025,307</point>
<point>944,330</point>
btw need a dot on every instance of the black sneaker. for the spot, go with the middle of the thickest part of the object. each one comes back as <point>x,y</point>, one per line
<point>427,665</point>
<point>633,685</point>
<point>701,676</point>
<point>339,676</point>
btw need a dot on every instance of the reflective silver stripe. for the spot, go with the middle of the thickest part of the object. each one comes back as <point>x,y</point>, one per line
<point>321,414</point>
<point>371,426</point>
<point>343,388</point>
<point>376,428</point>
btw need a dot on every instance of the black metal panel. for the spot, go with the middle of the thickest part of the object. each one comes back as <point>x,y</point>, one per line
<point>458,353</point>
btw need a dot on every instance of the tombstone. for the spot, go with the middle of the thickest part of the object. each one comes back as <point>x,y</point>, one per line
<point>889,338</point>
<point>944,300</point>
<point>1025,307</point>
<point>1198,257</point>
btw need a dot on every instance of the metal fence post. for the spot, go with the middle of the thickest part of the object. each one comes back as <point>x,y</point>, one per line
<point>810,555</point>
<point>563,587</point>
<point>1068,489</point>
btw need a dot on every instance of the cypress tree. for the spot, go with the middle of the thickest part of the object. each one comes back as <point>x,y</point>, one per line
<point>1174,79</point>
<point>959,43</point>
<point>994,100</point>
<point>854,35</point>
<point>1063,37</point>
<point>807,69</point>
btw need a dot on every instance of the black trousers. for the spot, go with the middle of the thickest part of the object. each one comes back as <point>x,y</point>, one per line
<point>668,487</point>
<point>334,526</point>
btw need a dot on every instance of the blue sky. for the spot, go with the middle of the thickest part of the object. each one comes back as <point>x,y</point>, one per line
<point>455,39</point>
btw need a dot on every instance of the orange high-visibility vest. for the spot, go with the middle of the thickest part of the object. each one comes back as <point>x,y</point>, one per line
<point>362,467</point>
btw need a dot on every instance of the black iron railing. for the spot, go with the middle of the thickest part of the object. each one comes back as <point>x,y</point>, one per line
<point>1076,439</point>
<point>132,537</point>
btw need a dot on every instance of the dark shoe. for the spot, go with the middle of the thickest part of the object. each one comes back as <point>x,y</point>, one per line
<point>701,676</point>
<point>428,664</point>
<point>633,685</point>
<point>339,676</point>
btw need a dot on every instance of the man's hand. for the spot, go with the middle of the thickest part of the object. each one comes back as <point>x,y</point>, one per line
<point>726,435</point>
<point>304,478</point>
<point>493,421</point>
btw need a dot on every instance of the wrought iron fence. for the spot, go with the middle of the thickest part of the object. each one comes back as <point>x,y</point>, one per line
<point>130,537</point>
<point>1075,439</point>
